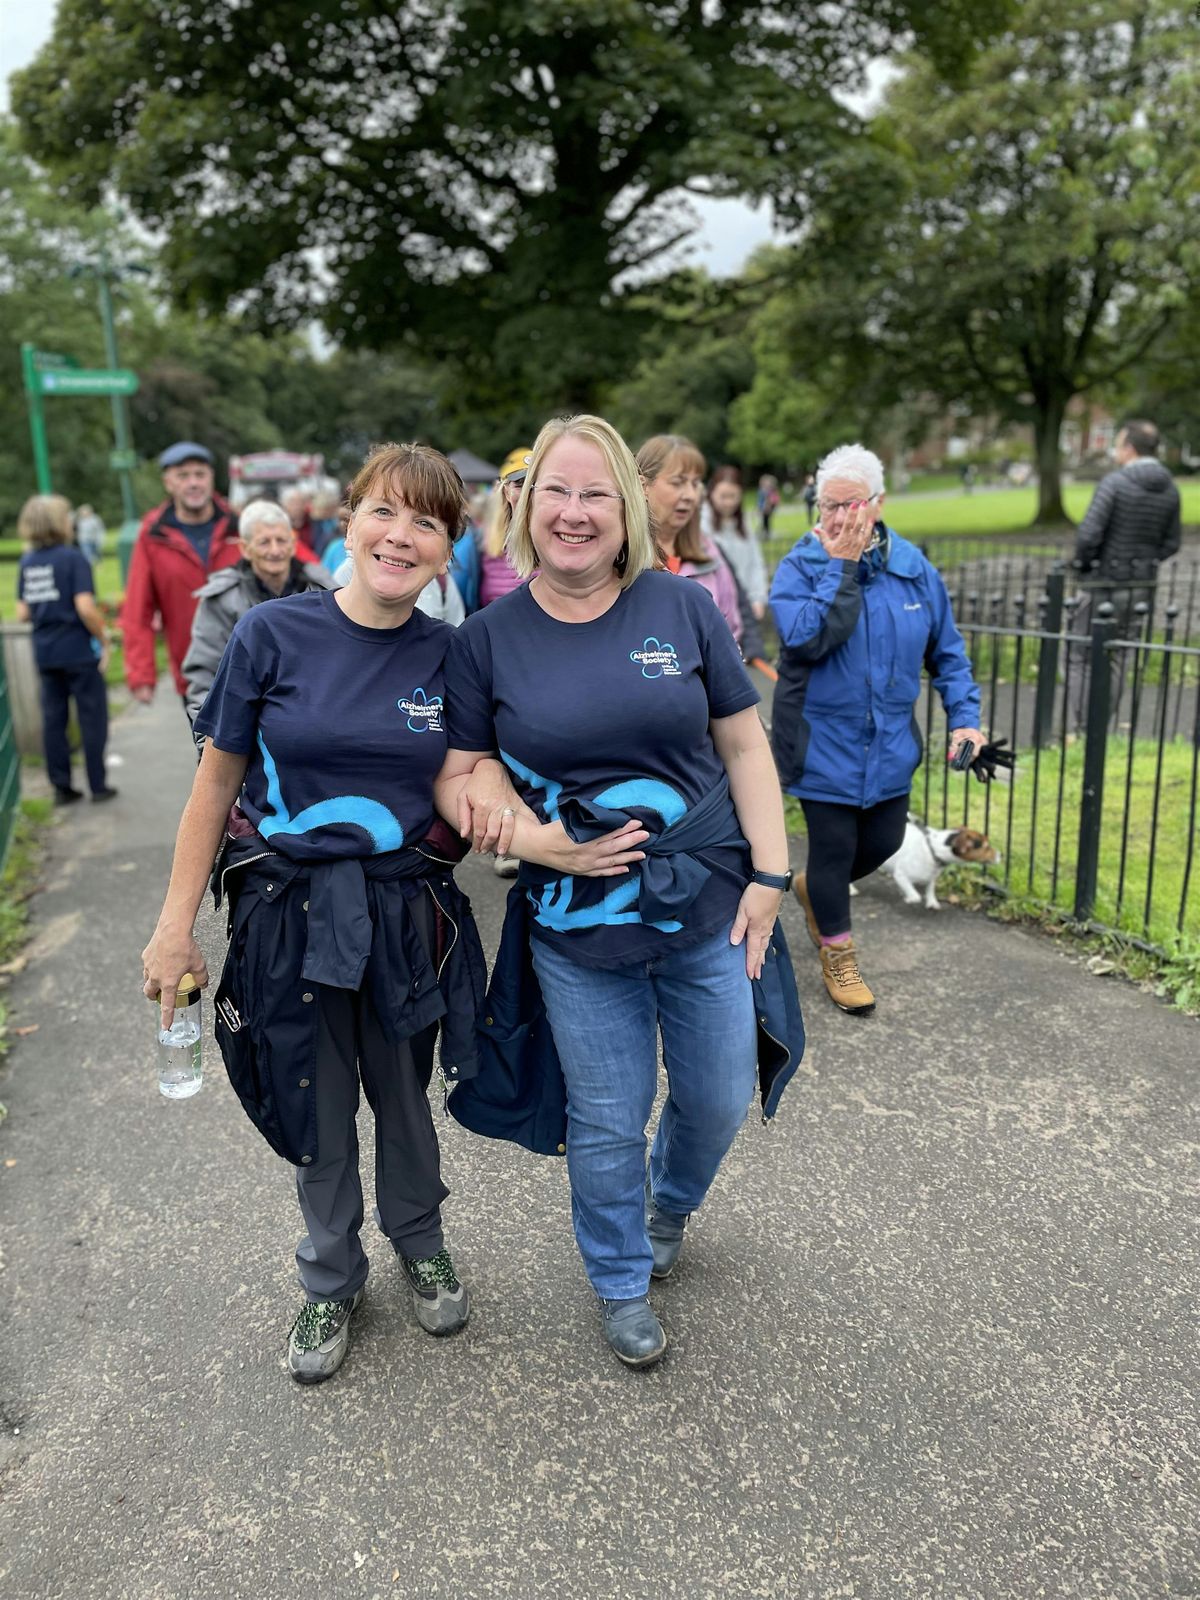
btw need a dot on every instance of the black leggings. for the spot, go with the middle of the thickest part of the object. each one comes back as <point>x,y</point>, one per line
<point>846,843</point>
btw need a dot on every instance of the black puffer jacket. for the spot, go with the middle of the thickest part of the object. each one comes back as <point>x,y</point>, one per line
<point>1132,524</point>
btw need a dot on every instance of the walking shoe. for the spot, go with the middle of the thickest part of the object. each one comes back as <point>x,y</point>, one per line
<point>634,1332</point>
<point>666,1236</point>
<point>319,1337</point>
<point>839,968</point>
<point>104,794</point>
<point>800,890</point>
<point>506,866</point>
<point>441,1303</point>
<point>67,796</point>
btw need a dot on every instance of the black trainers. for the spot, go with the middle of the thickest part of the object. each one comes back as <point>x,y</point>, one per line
<point>67,796</point>
<point>319,1338</point>
<point>634,1332</point>
<point>104,794</point>
<point>441,1303</point>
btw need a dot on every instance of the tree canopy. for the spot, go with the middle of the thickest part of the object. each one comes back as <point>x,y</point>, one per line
<point>1028,235</point>
<point>485,180</point>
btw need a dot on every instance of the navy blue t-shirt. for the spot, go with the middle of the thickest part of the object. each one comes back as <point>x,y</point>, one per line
<point>48,582</point>
<point>343,725</point>
<point>198,534</point>
<point>614,711</point>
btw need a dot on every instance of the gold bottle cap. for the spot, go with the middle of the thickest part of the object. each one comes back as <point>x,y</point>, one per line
<point>187,990</point>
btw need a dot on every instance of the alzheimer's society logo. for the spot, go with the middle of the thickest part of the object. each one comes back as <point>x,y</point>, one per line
<point>656,660</point>
<point>424,711</point>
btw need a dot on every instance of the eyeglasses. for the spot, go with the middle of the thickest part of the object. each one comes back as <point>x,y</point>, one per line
<point>828,507</point>
<point>590,499</point>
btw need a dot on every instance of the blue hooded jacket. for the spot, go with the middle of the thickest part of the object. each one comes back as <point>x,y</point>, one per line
<point>855,636</point>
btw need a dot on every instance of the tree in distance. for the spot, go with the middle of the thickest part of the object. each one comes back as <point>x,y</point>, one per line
<point>487,182</point>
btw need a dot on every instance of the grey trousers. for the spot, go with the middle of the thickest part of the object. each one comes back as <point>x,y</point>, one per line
<point>408,1185</point>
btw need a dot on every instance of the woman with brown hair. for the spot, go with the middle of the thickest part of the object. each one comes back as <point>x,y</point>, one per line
<point>673,470</point>
<point>723,520</point>
<point>56,592</point>
<point>350,943</point>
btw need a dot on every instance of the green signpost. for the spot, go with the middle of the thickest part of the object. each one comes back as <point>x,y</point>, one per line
<point>48,374</point>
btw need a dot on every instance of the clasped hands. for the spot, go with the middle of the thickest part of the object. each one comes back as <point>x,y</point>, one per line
<point>495,818</point>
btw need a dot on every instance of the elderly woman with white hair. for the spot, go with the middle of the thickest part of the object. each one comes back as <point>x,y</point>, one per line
<point>860,612</point>
<point>268,568</point>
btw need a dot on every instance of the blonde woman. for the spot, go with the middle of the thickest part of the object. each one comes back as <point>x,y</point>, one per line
<point>650,830</point>
<point>497,574</point>
<point>56,592</point>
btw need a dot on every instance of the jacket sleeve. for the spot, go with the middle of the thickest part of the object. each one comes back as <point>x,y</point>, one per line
<point>1174,534</point>
<point>815,615</point>
<point>137,619</point>
<point>210,635</point>
<point>727,597</point>
<point>947,662</point>
<point>1091,533</point>
<point>756,587</point>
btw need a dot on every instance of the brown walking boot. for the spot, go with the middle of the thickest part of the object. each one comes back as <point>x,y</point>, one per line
<point>839,968</point>
<point>800,890</point>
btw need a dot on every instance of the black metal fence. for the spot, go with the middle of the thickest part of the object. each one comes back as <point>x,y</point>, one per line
<point>1098,691</point>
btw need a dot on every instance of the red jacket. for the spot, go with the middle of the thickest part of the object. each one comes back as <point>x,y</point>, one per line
<point>164,574</point>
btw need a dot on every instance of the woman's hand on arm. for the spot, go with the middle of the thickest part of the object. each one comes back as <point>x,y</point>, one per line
<point>548,844</point>
<point>742,746</point>
<point>173,950</point>
<point>474,793</point>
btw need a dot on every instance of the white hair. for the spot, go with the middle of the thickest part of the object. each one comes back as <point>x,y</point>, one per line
<point>259,512</point>
<point>853,461</point>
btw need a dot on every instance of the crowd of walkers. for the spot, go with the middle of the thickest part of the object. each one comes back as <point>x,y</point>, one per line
<point>524,676</point>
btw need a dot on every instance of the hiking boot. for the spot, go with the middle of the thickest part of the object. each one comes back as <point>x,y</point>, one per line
<point>839,968</point>
<point>442,1304</point>
<point>666,1236</point>
<point>319,1338</point>
<point>634,1332</point>
<point>800,890</point>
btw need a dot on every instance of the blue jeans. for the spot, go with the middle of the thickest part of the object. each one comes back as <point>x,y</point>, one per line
<point>605,1027</point>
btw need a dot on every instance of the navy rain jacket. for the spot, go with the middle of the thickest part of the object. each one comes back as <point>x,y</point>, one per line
<point>855,636</point>
<point>295,926</point>
<point>518,1092</point>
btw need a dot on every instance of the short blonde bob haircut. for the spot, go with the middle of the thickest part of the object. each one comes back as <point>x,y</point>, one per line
<point>638,554</point>
<point>45,520</point>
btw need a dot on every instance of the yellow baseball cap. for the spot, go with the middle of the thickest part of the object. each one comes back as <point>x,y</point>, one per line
<point>516,463</point>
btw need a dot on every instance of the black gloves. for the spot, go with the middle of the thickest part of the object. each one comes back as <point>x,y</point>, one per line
<point>990,757</point>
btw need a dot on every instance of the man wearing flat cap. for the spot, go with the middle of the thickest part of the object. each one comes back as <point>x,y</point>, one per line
<point>180,544</point>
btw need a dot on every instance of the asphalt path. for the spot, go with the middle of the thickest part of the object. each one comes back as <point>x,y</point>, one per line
<point>934,1333</point>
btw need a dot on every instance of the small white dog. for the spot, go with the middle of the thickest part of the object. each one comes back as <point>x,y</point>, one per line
<point>925,855</point>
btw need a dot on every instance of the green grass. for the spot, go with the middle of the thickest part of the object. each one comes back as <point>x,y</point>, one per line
<point>17,884</point>
<point>1020,820</point>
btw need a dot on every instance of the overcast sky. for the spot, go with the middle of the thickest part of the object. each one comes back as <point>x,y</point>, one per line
<point>730,230</point>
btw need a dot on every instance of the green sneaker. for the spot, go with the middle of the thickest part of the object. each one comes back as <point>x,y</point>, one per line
<point>441,1303</point>
<point>319,1338</point>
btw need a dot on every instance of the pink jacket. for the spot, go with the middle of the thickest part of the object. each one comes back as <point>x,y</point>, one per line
<point>713,572</point>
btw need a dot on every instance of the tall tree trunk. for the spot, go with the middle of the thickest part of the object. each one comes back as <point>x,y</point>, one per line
<point>1047,429</point>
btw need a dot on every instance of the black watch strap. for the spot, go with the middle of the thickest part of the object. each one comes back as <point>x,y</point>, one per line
<point>774,880</point>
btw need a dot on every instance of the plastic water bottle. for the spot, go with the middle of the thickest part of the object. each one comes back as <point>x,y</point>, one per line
<point>181,1046</point>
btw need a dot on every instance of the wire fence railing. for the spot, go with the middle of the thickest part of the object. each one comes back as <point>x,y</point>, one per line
<point>1100,817</point>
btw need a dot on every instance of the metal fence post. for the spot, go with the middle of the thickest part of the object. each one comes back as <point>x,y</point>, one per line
<point>1091,805</point>
<point>1051,622</point>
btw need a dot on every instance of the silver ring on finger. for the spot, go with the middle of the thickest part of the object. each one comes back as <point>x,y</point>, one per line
<point>508,812</point>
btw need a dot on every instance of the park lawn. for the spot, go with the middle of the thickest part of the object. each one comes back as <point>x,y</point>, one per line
<point>1020,820</point>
